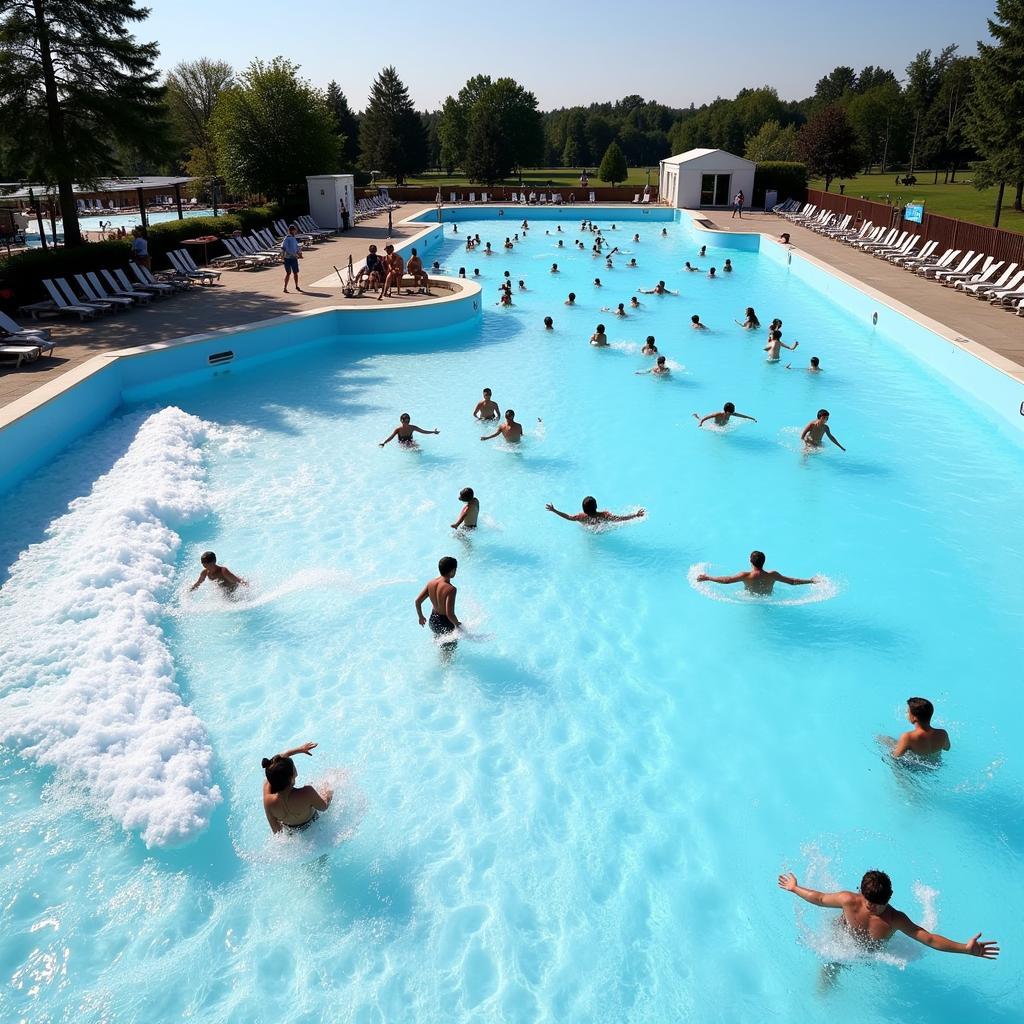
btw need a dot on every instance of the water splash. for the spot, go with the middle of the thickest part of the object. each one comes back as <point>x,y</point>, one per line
<point>824,589</point>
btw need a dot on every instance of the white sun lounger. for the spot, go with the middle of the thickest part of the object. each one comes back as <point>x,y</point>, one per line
<point>147,279</point>
<point>902,259</point>
<point>118,278</point>
<point>948,277</point>
<point>944,261</point>
<point>115,302</point>
<point>976,288</point>
<point>1009,293</point>
<point>83,311</point>
<point>21,353</point>
<point>115,293</point>
<point>12,329</point>
<point>949,268</point>
<point>989,270</point>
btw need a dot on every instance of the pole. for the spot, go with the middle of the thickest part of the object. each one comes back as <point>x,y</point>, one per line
<point>177,200</point>
<point>142,208</point>
<point>213,184</point>
<point>39,216</point>
<point>999,204</point>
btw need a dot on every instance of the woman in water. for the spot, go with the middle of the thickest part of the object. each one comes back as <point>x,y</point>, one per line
<point>287,807</point>
<point>750,323</point>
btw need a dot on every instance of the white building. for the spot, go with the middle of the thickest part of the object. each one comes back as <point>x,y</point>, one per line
<point>705,177</point>
<point>327,193</point>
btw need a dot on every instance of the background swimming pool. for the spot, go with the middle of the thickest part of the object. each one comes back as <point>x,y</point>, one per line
<point>113,221</point>
<point>582,818</point>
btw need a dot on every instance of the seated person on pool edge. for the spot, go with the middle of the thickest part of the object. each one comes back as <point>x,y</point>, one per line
<point>590,514</point>
<point>218,573</point>
<point>869,918</point>
<point>923,740</point>
<point>441,592</point>
<point>285,806</point>
<point>756,579</point>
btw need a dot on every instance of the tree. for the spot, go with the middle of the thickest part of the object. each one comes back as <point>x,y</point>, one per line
<point>877,115</point>
<point>193,89</point>
<point>924,77</point>
<point>272,130</point>
<point>74,82</point>
<point>828,145</point>
<point>772,143</point>
<point>599,134</point>
<point>835,85</point>
<point>571,153</point>
<point>391,136</point>
<point>346,126</point>
<point>451,134</point>
<point>995,118</point>
<point>613,165</point>
<point>505,132</point>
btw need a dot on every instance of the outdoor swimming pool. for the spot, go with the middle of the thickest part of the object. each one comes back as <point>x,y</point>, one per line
<point>113,221</point>
<point>582,817</point>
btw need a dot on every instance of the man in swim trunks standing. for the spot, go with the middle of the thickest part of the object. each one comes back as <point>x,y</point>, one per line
<point>812,434</point>
<point>510,429</point>
<point>487,408</point>
<point>441,592</point>
<point>757,579</point>
<point>922,740</point>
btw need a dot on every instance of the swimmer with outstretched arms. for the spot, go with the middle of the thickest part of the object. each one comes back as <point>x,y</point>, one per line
<point>289,808</point>
<point>486,409</point>
<point>470,511</point>
<point>813,367</point>
<point>441,592</point>
<point>923,740</point>
<point>404,431</point>
<point>812,434</point>
<point>723,416</point>
<point>219,574</point>
<point>591,515</point>
<point>757,579</point>
<point>868,917</point>
<point>775,343</point>
<point>658,289</point>
<point>510,429</point>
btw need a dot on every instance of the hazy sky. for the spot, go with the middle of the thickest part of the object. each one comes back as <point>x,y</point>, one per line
<point>569,53</point>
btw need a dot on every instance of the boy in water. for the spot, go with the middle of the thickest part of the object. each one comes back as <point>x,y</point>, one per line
<point>218,573</point>
<point>470,512</point>
<point>868,917</point>
<point>813,367</point>
<point>721,418</point>
<point>487,409</point>
<point>510,430</point>
<point>591,516</point>
<point>404,431</point>
<point>775,343</point>
<point>757,579</point>
<point>441,591</point>
<point>922,740</point>
<point>812,434</point>
<point>660,367</point>
<point>599,338</point>
<point>658,289</point>
<point>695,323</point>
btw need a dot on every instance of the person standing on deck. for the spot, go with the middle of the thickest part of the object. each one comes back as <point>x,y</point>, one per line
<point>292,253</point>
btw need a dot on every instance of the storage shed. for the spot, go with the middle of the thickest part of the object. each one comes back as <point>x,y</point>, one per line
<point>327,193</point>
<point>705,177</point>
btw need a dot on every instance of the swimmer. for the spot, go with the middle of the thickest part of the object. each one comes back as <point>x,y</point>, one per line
<point>476,271</point>
<point>505,300</point>
<point>619,310</point>
<point>510,430</point>
<point>441,591</point>
<point>636,238</point>
<point>549,324</point>
<point>571,300</point>
<point>812,434</point>
<point>660,368</point>
<point>649,349</point>
<point>287,807</point>
<point>486,409</point>
<point>508,243</point>
<point>591,516</point>
<point>703,251</point>
<point>775,343</point>
<point>599,338</point>
<point>784,238</point>
<point>632,263</point>
<point>405,430</point>
<point>814,367</point>
<point>658,289</point>
<point>488,251</point>
<point>757,579</point>
<point>923,739</point>
<point>634,303</point>
<point>597,282</point>
<point>219,574</point>
<point>522,285</point>
<point>554,268</point>
<point>696,324</point>
<point>721,418</point>
<point>868,917</point>
<point>561,244</point>
<point>664,232</point>
<point>727,268</point>
<point>711,273</point>
<point>688,266</point>
<point>750,321</point>
<point>470,511</point>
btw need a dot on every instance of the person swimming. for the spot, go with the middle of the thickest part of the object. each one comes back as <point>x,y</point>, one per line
<point>813,367</point>
<point>591,516</point>
<point>470,511</point>
<point>510,429</point>
<point>696,324</point>
<point>404,431</point>
<point>775,343</point>
<point>441,592</point>
<point>818,428</point>
<point>722,417</point>
<point>703,251</point>
<point>660,368</point>
<point>287,807</point>
<point>649,349</point>
<point>486,408</point>
<point>757,579</point>
<point>750,321</point>
<point>219,574</point>
<point>727,267</point>
<point>924,739</point>
<point>690,268</point>
<point>549,324</point>
<point>711,273</point>
<point>571,300</point>
<point>658,289</point>
<point>599,338</point>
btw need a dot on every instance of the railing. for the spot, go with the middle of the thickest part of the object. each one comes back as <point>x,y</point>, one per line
<point>503,194</point>
<point>949,232</point>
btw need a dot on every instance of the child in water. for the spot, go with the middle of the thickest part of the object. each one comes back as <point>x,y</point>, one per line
<point>218,573</point>
<point>470,512</point>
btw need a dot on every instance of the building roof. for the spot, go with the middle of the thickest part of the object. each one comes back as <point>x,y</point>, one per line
<point>20,189</point>
<point>697,154</point>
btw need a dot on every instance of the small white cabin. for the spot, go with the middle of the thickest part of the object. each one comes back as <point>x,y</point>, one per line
<point>705,177</point>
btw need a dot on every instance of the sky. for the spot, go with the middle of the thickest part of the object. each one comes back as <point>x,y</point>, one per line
<point>568,53</point>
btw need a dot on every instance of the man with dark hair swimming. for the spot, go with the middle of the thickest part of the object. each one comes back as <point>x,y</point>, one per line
<point>441,592</point>
<point>591,516</point>
<point>757,579</point>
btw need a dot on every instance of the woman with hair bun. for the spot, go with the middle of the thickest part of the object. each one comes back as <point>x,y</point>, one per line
<point>286,806</point>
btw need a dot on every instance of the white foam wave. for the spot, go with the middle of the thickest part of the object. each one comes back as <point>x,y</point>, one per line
<point>823,589</point>
<point>86,681</point>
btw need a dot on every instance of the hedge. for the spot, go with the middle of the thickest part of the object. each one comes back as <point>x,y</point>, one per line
<point>787,178</point>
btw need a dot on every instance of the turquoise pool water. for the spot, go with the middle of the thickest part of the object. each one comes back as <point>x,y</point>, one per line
<point>113,222</point>
<point>582,817</point>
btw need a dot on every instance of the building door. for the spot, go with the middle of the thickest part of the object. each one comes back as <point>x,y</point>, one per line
<point>714,189</point>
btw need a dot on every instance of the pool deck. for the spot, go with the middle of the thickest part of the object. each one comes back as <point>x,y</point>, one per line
<point>248,297</point>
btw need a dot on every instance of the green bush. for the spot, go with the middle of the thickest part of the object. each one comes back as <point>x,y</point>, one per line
<point>787,178</point>
<point>21,277</point>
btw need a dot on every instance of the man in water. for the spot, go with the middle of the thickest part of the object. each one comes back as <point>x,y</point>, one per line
<point>695,323</point>
<point>405,430</point>
<point>510,429</point>
<point>220,574</point>
<point>470,511</point>
<point>658,289</point>
<point>721,418</point>
<point>757,579</point>
<point>812,434</point>
<point>591,516</point>
<point>660,367</point>
<point>441,591</point>
<point>487,409</point>
<point>868,917</point>
<point>599,338</point>
<point>813,367</point>
<point>775,343</point>
<point>922,740</point>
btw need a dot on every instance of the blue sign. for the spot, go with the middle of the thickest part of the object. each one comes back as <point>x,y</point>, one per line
<point>914,212</point>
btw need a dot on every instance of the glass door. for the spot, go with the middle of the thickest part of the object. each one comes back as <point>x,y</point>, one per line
<point>714,189</point>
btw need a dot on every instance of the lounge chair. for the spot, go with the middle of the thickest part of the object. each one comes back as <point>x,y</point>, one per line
<point>84,311</point>
<point>19,333</point>
<point>307,224</point>
<point>593,197</point>
<point>483,197</point>
<point>908,246</point>
<point>989,269</point>
<point>902,259</point>
<point>952,266</point>
<point>1009,293</point>
<point>964,273</point>
<point>190,264</point>
<point>255,247</point>
<point>888,236</point>
<point>148,280</point>
<point>636,198</point>
<point>451,198</point>
<point>192,272</point>
<point>115,301</point>
<point>115,292</point>
<point>24,353</point>
<point>838,229</point>
<point>119,277</point>
<point>977,287</point>
<point>515,197</point>
<point>245,256</point>
<point>646,199</point>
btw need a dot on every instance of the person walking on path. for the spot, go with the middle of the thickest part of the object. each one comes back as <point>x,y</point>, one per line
<point>292,253</point>
<point>737,204</point>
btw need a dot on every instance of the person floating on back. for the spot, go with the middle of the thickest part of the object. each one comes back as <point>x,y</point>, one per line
<point>868,917</point>
<point>486,408</point>
<point>923,740</point>
<point>510,429</point>
<point>722,418</point>
<point>219,574</point>
<point>287,807</point>
<point>812,434</point>
<point>757,579</point>
<point>441,592</point>
<point>470,511</point>
<point>404,431</point>
<point>591,516</point>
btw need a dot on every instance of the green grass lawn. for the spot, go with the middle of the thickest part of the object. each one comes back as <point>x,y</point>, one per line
<point>960,199</point>
<point>560,177</point>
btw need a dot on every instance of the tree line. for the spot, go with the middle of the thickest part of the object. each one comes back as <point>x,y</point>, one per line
<point>81,99</point>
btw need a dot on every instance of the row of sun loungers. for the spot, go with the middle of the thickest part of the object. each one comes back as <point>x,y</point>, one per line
<point>20,345</point>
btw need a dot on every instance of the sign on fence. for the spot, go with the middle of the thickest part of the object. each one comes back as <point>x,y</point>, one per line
<point>914,212</point>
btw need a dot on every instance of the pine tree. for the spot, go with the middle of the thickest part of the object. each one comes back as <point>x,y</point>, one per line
<point>828,145</point>
<point>391,136</point>
<point>995,119</point>
<point>613,165</point>
<point>348,125</point>
<point>75,83</point>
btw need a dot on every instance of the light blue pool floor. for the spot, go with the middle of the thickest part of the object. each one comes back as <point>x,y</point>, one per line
<point>583,816</point>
